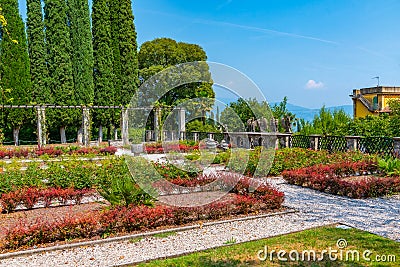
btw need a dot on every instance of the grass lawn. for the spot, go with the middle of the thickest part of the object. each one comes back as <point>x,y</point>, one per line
<point>318,239</point>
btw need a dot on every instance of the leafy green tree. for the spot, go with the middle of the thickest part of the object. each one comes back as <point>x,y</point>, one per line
<point>281,113</point>
<point>125,58</point>
<point>161,53</point>
<point>15,80</point>
<point>247,111</point>
<point>59,50</point>
<point>126,36</point>
<point>37,52</point>
<point>371,126</point>
<point>327,122</point>
<point>104,77</point>
<point>82,51</point>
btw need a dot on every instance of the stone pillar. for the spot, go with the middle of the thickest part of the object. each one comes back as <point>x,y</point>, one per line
<point>314,141</point>
<point>196,136</point>
<point>149,135</point>
<point>157,116</point>
<point>125,127</point>
<point>211,136</point>
<point>182,123</point>
<point>86,126</point>
<point>182,135</point>
<point>41,126</point>
<point>165,136</point>
<point>352,142</point>
<point>284,140</point>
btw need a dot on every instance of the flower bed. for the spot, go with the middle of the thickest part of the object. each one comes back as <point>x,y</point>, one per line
<point>52,151</point>
<point>159,148</point>
<point>122,219</point>
<point>32,196</point>
<point>60,174</point>
<point>338,179</point>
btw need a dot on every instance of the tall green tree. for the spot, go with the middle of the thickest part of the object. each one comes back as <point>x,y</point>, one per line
<point>15,80</point>
<point>37,52</point>
<point>104,77</point>
<point>59,50</point>
<point>82,53</point>
<point>124,46</point>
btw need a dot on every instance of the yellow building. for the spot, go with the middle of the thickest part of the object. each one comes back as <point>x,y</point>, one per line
<point>374,100</point>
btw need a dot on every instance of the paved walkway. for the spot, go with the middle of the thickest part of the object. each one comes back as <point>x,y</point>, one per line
<point>380,216</point>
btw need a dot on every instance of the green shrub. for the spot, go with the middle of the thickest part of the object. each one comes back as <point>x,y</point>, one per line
<point>389,166</point>
<point>124,191</point>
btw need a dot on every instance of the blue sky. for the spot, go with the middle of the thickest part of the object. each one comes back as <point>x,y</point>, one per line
<point>314,52</point>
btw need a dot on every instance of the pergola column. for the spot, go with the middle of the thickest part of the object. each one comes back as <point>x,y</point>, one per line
<point>125,127</point>
<point>86,126</point>
<point>182,124</point>
<point>41,125</point>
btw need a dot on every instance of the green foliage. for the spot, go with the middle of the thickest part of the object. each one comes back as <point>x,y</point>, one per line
<point>37,52</point>
<point>75,174</point>
<point>59,49</point>
<point>104,89</point>
<point>161,53</point>
<point>340,124</point>
<point>124,47</point>
<point>198,126</point>
<point>82,51</point>
<point>327,122</point>
<point>15,80</point>
<point>281,112</point>
<point>295,158</point>
<point>390,166</point>
<point>123,191</point>
<point>235,117</point>
<point>372,126</point>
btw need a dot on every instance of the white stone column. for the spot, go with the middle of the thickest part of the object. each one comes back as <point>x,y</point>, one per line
<point>41,126</point>
<point>86,126</point>
<point>182,124</point>
<point>125,127</point>
<point>157,117</point>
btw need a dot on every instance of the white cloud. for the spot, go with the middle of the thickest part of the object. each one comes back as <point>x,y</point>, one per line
<point>311,84</point>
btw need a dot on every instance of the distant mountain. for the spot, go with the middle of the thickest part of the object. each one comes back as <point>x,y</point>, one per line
<point>308,113</point>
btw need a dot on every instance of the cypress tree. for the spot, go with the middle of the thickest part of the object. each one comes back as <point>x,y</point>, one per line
<point>104,77</point>
<point>59,51</point>
<point>124,47</point>
<point>82,53</point>
<point>14,67</point>
<point>37,52</point>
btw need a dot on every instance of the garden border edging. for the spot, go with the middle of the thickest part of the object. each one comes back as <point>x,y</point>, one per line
<point>127,237</point>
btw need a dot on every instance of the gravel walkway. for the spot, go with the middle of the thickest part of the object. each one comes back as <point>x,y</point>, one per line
<point>380,216</point>
<point>124,252</point>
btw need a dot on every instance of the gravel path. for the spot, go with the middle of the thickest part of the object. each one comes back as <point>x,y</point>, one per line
<point>124,252</point>
<point>380,216</point>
